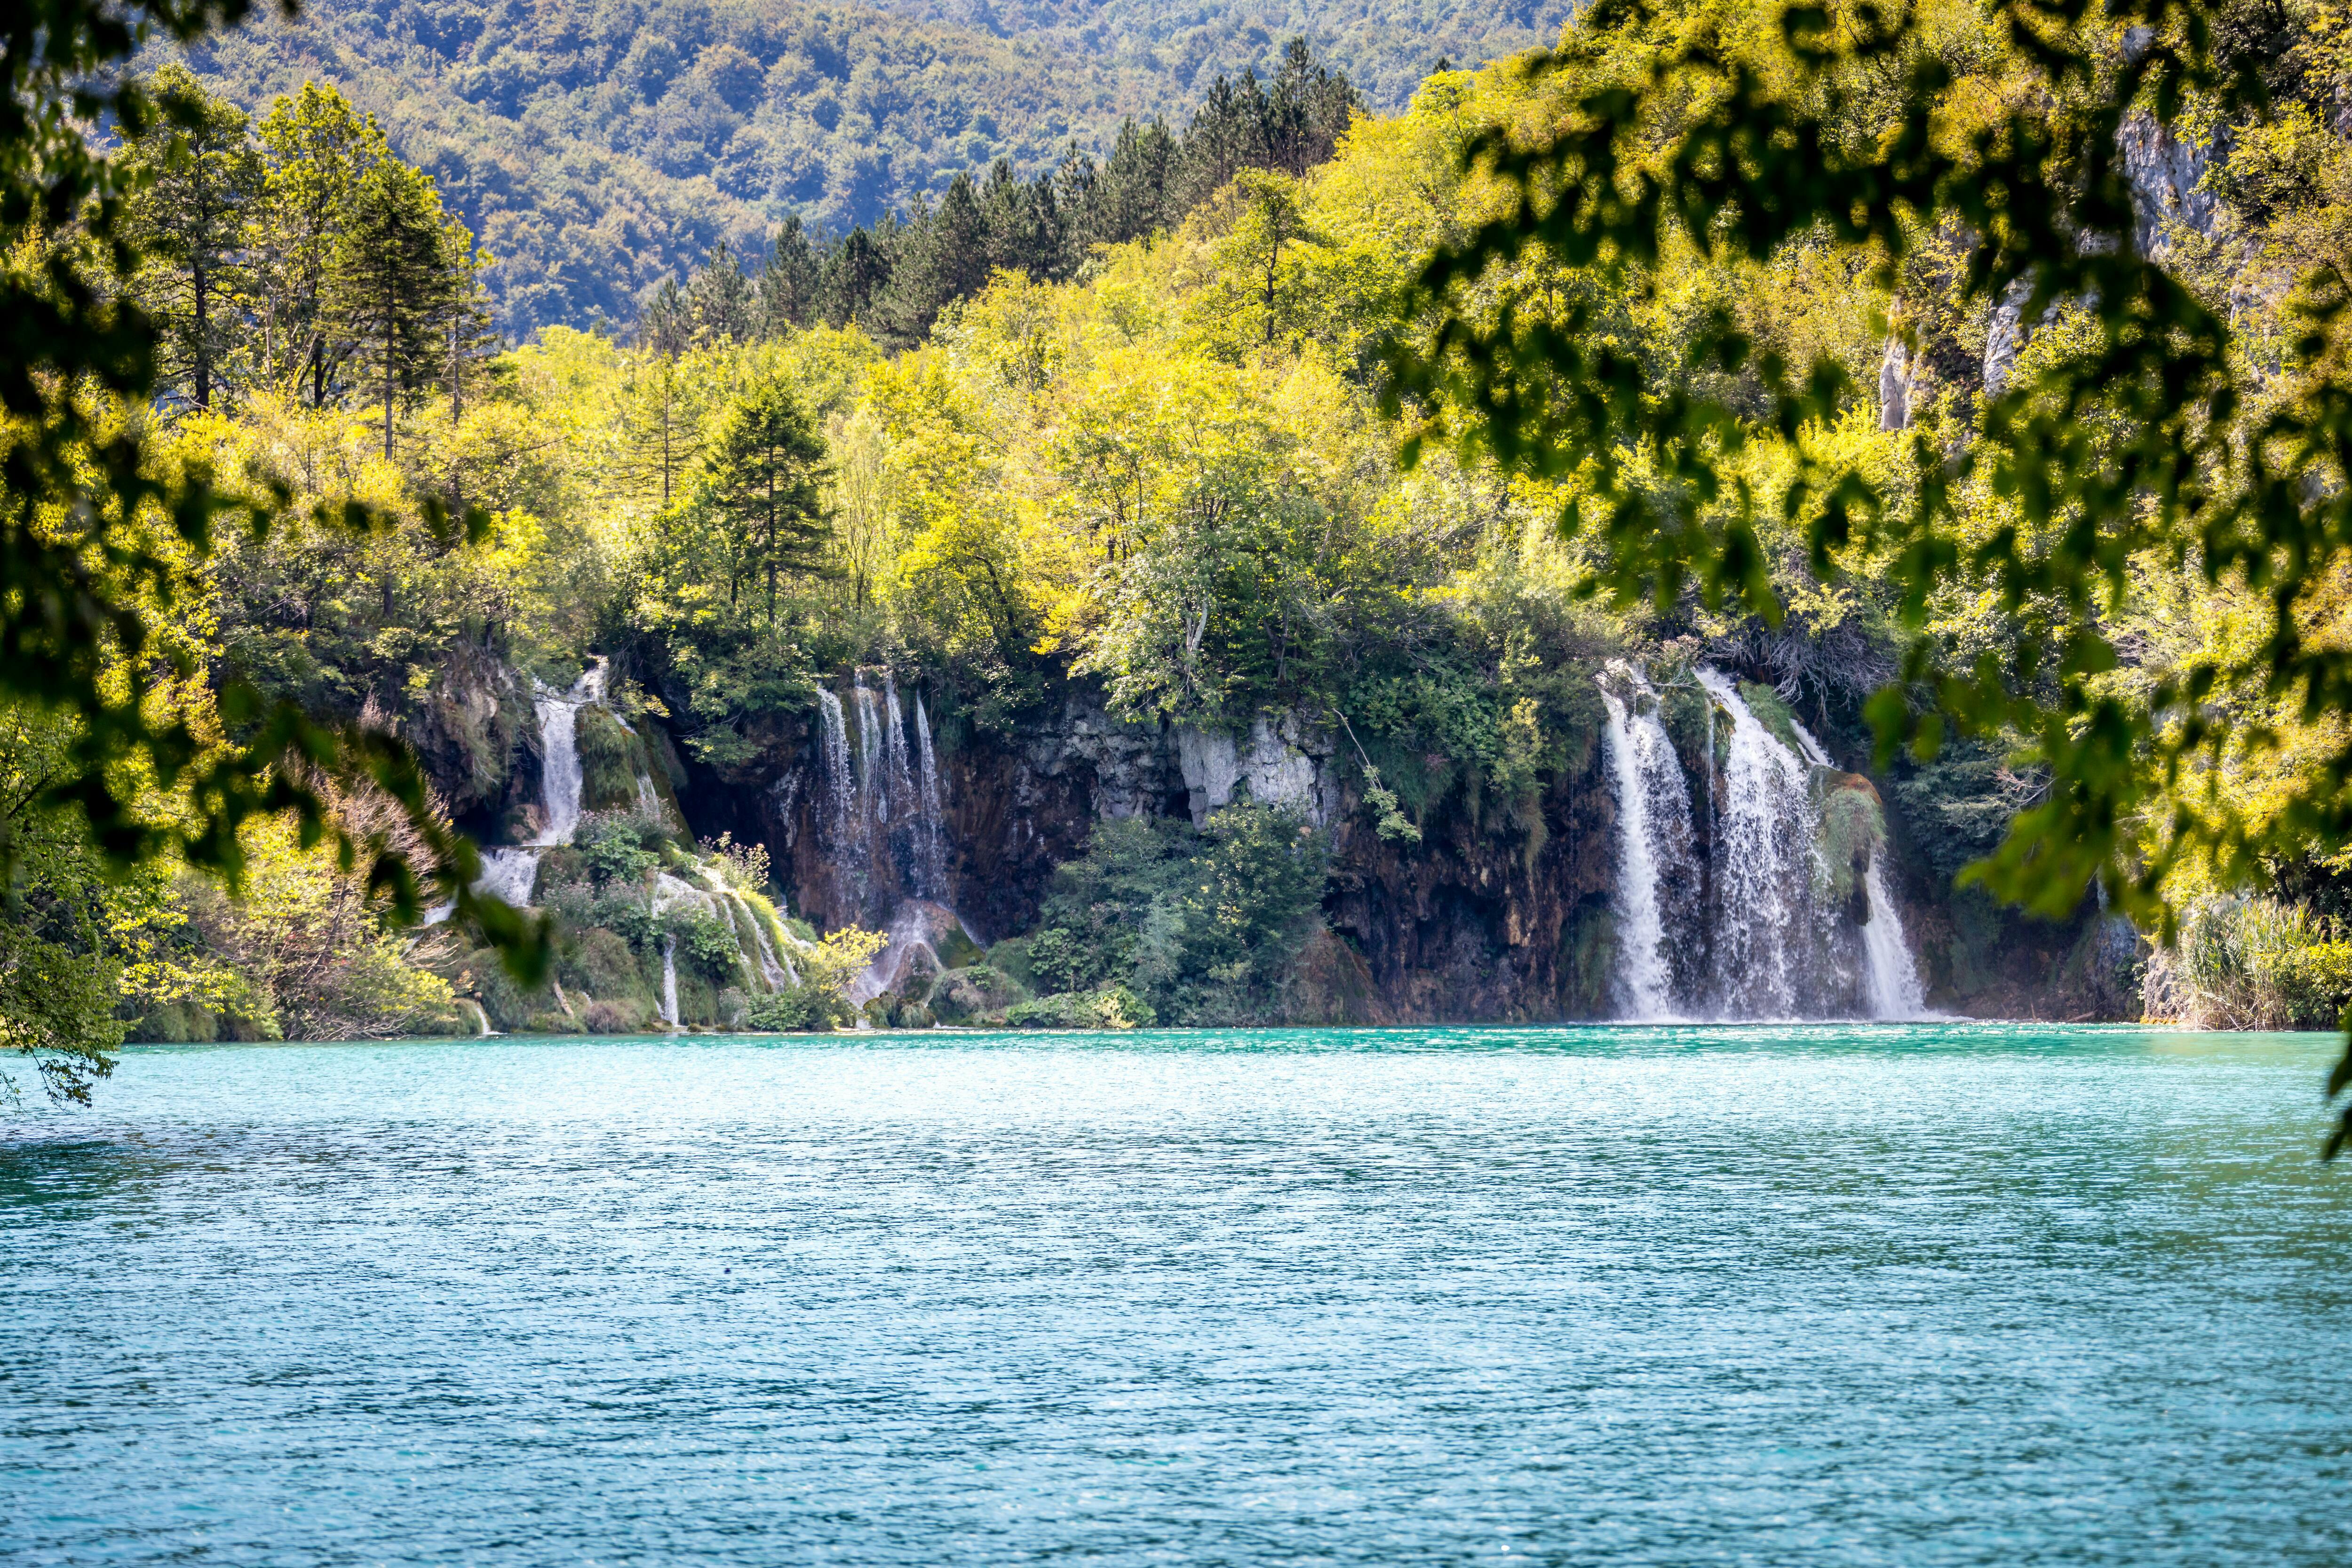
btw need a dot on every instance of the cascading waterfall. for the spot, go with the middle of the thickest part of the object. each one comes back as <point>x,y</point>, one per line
<point>669,981</point>
<point>1890,976</point>
<point>931,862</point>
<point>1764,856</point>
<point>1762,926</point>
<point>833,745</point>
<point>875,799</point>
<point>900,776</point>
<point>1655,862</point>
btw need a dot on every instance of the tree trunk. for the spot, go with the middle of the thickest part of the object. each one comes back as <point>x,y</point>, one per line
<point>204,343</point>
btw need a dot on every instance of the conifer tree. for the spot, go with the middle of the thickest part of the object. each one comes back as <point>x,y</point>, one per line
<point>719,302</point>
<point>657,430</point>
<point>192,222</point>
<point>946,259</point>
<point>854,276</point>
<point>791,281</point>
<point>318,149</point>
<point>765,477</point>
<point>392,282</point>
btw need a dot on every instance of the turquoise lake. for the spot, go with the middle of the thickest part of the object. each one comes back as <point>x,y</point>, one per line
<point>1869,1295</point>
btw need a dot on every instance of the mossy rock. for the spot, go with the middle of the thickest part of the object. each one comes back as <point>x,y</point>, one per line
<point>970,995</point>
<point>957,950</point>
<point>1774,714</point>
<point>1853,827</point>
<point>600,964</point>
<point>610,761</point>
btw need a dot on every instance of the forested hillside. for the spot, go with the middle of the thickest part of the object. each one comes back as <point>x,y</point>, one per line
<point>594,148</point>
<point>1385,46</point>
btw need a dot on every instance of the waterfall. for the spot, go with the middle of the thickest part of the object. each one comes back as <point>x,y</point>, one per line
<point>481,1019</point>
<point>560,776</point>
<point>932,861</point>
<point>1890,976</point>
<point>871,791</point>
<point>1654,860</point>
<point>901,778</point>
<point>669,981</point>
<point>1764,864</point>
<point>510,875</point>
<point>841,789</point>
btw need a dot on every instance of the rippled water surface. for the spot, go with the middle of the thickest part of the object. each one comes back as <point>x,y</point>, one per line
<point>1818,1296</point>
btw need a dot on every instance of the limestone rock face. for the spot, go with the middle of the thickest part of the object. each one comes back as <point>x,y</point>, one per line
<point>2165,172</point>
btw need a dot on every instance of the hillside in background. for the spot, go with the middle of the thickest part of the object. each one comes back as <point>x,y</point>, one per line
<point>1385,46</point>
<point>595,149</point>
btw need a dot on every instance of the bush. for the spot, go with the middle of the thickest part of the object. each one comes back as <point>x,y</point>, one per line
<point>1064,960</point>
<point>707,943</point>
<point>618,847</point>
<point>962,996</point>
<point>1113,1007</point>
<point>2253,963</point>
<point>799,1009</point>
<point>629,1017</point>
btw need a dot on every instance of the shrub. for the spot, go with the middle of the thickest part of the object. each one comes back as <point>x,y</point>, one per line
<point>706,942</point>
<point>616,1017</point>
<point>1114,1008</point>
<point>2253,962</point>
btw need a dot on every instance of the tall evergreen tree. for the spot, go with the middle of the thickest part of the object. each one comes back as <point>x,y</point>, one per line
<point>855,274</point>
<point>468,324</point>
<point>1134,193</point>
<point>790,282</point>
<point>944,259</point>
<point>1305,114</point>
<point>199,178</point>
<point>765,472</point>
<point>720,299</point>
<point>392,282</point>
<point>318,149</point>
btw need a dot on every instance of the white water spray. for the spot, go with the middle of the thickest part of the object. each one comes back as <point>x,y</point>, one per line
<point>1764,851</point>
<point>669,981</point>
<point>1890,976</point>
<point>1654,844</point>
<point>932,863</point>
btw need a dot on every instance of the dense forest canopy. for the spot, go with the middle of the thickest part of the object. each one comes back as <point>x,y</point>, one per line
<point>1043,439</point>
<point>594,148</point>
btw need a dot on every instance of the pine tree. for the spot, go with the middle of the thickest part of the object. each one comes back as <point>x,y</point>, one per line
<point>658,436</point>
<point>318,149</point>
<point>720,301</point>
<point>791,281</point>
<point>1132,196</point>
<point>192,221</point>
<point>855,274</point>
<point>665,326</point>
<point>1307,113</point>
<point>945,258</point>
<point>392,282</point>
<point>468,324</point>
<point>765,489</point>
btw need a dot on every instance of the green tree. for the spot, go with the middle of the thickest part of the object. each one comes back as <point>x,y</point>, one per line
<point>395,284</point>
<point>318,148</point>
<point>766,465</point>
<point>191,219</point>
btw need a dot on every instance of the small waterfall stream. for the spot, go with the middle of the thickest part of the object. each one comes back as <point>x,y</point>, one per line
<point>669,981</point>
<point>1653,843</point>
<point>931,862</point>
<point>1890,976</point>
<point>1763,862</point>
